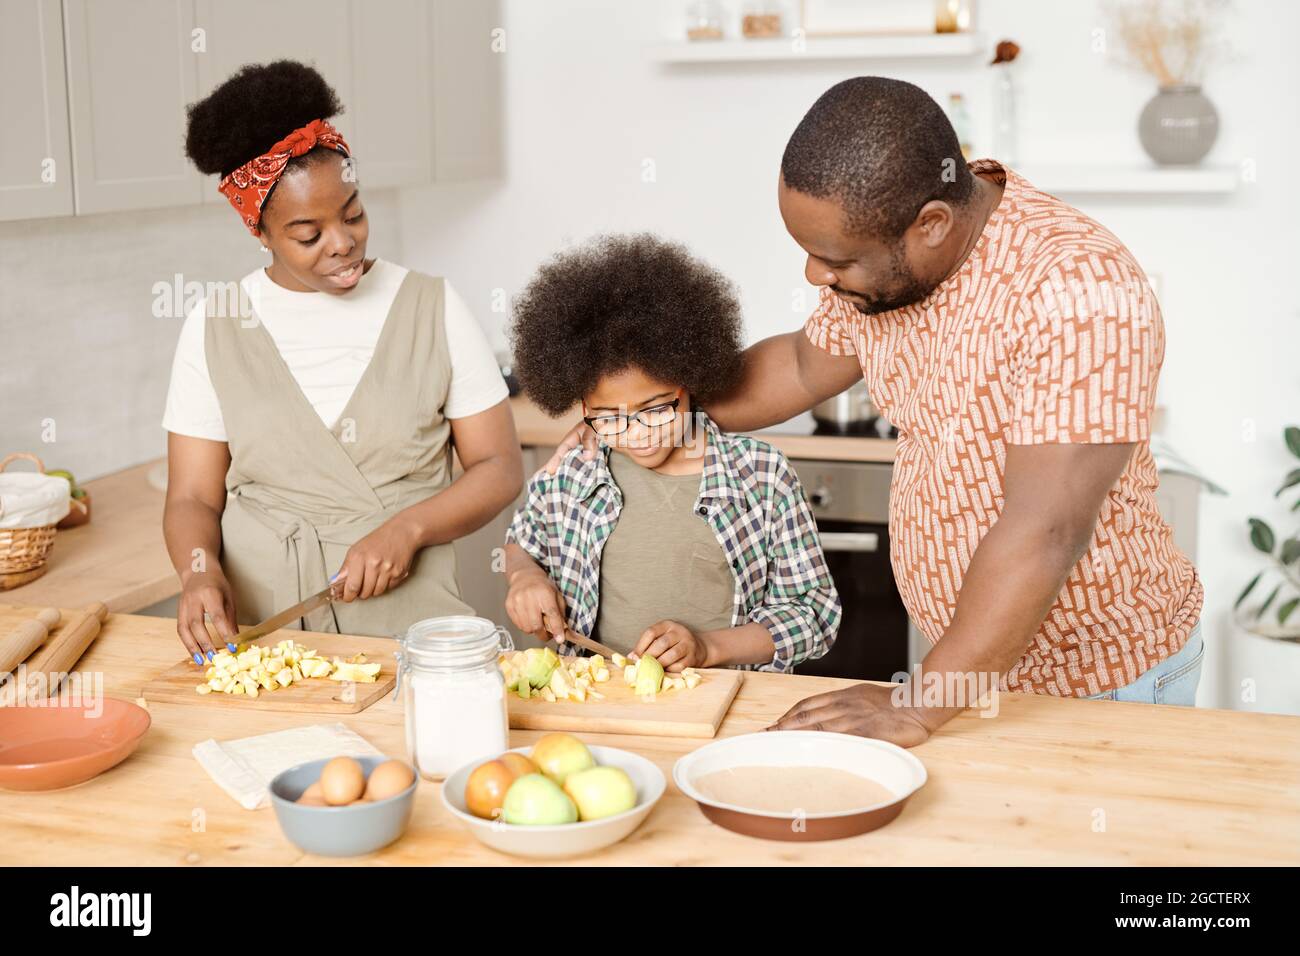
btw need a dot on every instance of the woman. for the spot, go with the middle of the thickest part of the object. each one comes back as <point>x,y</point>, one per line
<point>311,433</point>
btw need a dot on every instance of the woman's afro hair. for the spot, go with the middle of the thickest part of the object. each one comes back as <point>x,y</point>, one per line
<point>619,302</point>
<point>257,107</point>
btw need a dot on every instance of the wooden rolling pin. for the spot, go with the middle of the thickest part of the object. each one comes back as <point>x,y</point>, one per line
<point>62,652</point>
<point>19,643</point>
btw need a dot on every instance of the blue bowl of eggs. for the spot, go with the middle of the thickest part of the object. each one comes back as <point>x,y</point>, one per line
<point>344,806</point>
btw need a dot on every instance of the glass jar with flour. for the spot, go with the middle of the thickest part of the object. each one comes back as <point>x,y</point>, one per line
<point>452,692</point>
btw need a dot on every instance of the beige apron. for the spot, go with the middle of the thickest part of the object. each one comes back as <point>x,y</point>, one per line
<point>299,494</point>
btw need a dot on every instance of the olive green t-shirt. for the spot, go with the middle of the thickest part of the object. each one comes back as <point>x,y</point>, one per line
<point>661,561</point>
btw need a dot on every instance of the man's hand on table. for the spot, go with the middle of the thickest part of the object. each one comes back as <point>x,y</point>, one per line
<point>867,710</point>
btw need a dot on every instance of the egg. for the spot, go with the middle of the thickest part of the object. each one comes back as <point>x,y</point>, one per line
<point>388,780</point>
<point>312,796</point>
<point>342,781</point>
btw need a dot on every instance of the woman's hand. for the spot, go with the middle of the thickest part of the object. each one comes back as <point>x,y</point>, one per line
<point>205,592</point>
<point>380,561</point>
<point>673,645</point>
<point>579,434</point>
<point>535,605</point>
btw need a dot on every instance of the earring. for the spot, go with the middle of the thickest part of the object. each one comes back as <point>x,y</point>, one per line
<point>264,249</point>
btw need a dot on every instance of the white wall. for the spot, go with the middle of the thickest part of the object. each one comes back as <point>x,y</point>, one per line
<point>587,109</point>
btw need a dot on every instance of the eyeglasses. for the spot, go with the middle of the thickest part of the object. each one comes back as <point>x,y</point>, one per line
<point>656,416</point>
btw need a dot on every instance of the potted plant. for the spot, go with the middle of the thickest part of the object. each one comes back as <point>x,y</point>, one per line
<point>1262,666</point>
<point>1282,570</point>
<point>1173,42</point>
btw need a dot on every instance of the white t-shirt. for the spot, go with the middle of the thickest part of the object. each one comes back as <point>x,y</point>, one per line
<point>327,341</point>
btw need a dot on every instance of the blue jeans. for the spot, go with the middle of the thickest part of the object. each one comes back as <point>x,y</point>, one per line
<point>1172,681</point>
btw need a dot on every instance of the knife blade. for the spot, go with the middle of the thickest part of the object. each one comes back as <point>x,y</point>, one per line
<point>287,616</point>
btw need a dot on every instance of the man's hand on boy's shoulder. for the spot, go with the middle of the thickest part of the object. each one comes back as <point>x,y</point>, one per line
<point>579,434</point>
<point>673,645</point>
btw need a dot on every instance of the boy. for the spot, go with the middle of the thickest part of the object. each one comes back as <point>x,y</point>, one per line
<point>676,540</point>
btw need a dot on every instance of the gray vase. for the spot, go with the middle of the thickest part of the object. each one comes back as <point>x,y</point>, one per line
<point>1178,126</point>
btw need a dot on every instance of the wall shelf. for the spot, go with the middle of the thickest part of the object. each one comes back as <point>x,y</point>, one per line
<point>1135,180</point>
<point>899,46</point>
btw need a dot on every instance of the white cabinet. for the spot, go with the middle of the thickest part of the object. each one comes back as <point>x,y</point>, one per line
<point>239,32</point>
<point>35,161</point>
<point>420,85</point>
<point>468,77</point>
<point>419,80</point>
<point>393,95</point>
<point>130,74</point>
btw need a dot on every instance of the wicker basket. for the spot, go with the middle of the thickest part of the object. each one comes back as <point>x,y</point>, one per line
<point>24,549</point>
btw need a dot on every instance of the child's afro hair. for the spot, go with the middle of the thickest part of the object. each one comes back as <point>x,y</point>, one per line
<point>619,302</point>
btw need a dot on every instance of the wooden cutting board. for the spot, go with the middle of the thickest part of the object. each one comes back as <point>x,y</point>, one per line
<point>675,713</point>
<point>316,695</point>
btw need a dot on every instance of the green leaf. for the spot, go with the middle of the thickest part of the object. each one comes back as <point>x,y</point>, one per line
<point>1261,536</point>
<point>1290,550</point>
<point>1293,478</point>
<point>1285,610</point>
<point>1292,435</point>
<point>1249,587</point>
<point>1267,601</point>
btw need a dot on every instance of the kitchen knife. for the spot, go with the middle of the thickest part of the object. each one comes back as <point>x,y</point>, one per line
<point>573,637</point>
<point>301,609</point>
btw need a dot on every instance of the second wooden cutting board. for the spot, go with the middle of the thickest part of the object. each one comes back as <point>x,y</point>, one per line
<point>317,695</point>
<point>675,713</point>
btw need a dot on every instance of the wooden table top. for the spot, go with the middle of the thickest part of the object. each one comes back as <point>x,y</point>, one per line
<point>1047,781</point>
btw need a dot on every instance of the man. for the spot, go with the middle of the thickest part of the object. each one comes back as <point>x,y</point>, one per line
<point>1016,345</point>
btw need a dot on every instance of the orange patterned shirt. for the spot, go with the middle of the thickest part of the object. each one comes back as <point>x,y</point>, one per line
<point>1047,333</point>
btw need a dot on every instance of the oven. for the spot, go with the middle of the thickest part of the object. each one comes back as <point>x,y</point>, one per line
<point>850,501</point>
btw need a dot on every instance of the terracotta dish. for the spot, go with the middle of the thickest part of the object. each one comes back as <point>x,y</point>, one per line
<point>890,767</point>
<point>55,745</point>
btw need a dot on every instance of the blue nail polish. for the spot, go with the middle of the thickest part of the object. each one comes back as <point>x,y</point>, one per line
<point>230,647</point>
<point>198,658</point>
<point>209,655</point>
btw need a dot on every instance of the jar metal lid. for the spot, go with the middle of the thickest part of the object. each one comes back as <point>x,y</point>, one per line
<point>454,643</point>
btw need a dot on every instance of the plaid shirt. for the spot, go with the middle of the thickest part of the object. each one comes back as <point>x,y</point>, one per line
<point>755,506</point>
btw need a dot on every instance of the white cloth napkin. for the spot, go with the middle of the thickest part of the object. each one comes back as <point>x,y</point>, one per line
<point>245,768</point>
<point>31,500</point>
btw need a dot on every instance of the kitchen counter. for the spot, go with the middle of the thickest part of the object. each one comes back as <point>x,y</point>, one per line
<point>1028,787</point>
<point>536,428</point>
<point>118,557</point>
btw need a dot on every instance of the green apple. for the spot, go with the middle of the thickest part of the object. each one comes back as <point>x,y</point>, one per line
<point>600,792</point>
<point>67,475</point>
<point>558,755</point>
<point>535,800</point>
<point>538,664</point>
<point>649,676</point>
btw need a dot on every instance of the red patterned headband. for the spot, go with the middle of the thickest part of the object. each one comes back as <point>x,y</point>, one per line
<point>248,186</point>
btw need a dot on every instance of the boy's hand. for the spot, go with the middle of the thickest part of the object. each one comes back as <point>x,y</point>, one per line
<point>579,434</point>
<point>673,645</point>
<point>535,605</point>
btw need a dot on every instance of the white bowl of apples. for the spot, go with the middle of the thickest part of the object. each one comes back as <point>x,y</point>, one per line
<point>558,798</point>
